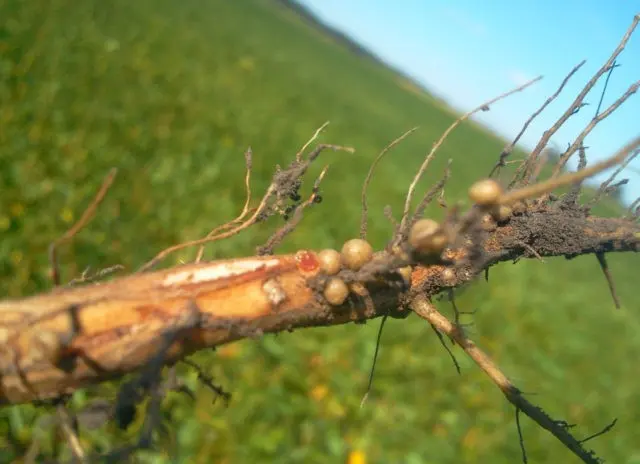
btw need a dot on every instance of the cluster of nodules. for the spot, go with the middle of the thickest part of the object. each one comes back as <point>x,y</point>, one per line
<point>430,238</point>
<point>426,237</point>
<point>355,253</point>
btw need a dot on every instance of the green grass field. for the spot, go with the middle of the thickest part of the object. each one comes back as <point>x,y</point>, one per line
<point>172,93</point>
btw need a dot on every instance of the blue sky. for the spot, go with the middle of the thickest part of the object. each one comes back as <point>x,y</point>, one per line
<point>469,51</point>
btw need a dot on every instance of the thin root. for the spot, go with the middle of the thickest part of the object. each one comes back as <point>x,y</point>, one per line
<point>83,221</point>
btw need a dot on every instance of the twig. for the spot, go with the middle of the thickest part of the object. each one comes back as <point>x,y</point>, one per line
<point>438,143</point>
<point>509,148</point>
<point>577,103</point>
<point>375,359</point>
<point>281,233</point>
<point>521,437</point>
<point>602,260</point>
<point>606,429</point>
<point>604,89</point>
<point>208,381</point>
<point>603,187</point>
<point>438,187</point>
<point>571,198</point>
<point>248,160</point>
<point>616,187</point>
<point>447,349</point>
<point>85,277</point>
<point>592,124</point>
<point>570,178</point>
<point>423,308</point>
<point>633,206</point>
<point>388,213</point>
<point>531,250</point>
<point>454,306</point>
<point>541,163</point>
<point>282,181</point>
<point>70,435</point>
<point>310,141</point>
<point>84,219</point>
<point>367,181</point>
<point>252,220</point>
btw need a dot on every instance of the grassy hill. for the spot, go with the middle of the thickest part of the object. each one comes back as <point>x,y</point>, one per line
<point>172,93</point>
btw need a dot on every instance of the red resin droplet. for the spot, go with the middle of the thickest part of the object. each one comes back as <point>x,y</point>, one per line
<point>307,261</point>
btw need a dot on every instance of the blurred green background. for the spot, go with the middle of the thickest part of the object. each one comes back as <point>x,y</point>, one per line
<point>172,93</point>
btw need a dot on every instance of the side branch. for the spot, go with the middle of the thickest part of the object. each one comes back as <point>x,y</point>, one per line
<point>423,308</point>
